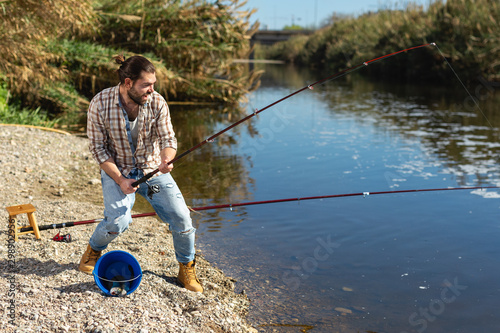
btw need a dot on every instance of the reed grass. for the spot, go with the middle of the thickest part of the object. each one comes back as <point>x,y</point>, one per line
<point>195,40</point>
<point>25,27</point>
<point>57,54</point>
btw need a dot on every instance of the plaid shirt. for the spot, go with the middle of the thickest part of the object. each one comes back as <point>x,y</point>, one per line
<point>107,133</point>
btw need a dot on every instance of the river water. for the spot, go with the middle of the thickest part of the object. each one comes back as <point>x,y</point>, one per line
<point>395,262</point>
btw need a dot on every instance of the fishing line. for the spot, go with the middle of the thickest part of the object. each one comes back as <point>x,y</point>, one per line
<point>463,85</point>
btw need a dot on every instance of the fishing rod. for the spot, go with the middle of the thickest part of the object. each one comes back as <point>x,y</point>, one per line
<point>250,203</point>
<point>257,111</point>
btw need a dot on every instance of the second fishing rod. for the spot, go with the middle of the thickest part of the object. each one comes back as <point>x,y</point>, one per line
<point>257,111</point>
<point>263,202</point>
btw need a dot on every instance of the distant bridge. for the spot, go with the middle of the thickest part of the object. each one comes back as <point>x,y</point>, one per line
<point>270,37</point>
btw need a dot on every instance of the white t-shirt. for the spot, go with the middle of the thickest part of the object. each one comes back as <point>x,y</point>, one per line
<point>134,131</point>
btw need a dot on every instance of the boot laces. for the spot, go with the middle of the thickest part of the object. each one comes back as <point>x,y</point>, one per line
<point>93,255</point>
<point>190,273</point>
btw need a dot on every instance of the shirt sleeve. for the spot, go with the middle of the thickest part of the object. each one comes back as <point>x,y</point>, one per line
<point>96,132</point>
<point>165,129</point>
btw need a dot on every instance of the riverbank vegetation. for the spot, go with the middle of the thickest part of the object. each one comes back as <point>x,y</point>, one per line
<point>56,55</point>
<point>466,31</point>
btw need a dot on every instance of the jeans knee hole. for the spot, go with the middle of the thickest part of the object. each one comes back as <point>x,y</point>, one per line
<point>187,231</point>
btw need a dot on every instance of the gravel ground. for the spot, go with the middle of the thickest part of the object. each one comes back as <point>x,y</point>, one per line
<point>44,292</point>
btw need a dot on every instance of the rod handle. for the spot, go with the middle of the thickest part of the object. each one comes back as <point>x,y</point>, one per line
<point>144,178</point>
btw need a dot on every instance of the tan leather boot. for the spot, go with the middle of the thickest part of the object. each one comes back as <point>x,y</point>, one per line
<point>89,259</point>
<point>187,277</point>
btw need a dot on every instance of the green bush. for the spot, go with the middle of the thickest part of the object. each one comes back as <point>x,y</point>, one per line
<point>14,114</point>
<point>466,31</point>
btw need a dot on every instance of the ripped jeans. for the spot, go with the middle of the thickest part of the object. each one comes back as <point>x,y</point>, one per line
<point>168,204</point>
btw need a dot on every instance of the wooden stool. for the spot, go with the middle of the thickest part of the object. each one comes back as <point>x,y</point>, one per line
<point>17,210</point>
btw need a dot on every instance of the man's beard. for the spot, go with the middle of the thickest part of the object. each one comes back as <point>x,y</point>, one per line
<point>136,97</point>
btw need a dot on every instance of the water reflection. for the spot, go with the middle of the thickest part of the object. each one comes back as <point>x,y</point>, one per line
<point>212,174</point>
<point>458,128</point>
<point>448,124</point>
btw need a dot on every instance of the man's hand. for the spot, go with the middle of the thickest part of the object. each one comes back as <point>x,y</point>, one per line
<point>109,166</point>
<point>165,167</point>
<point>126,185</point>
<point>166,155</point>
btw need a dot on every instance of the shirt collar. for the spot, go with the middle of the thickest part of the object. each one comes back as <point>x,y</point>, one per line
<point>117,95</point>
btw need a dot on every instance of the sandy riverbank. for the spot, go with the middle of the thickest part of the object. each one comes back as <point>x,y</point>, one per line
<point>44,289</point>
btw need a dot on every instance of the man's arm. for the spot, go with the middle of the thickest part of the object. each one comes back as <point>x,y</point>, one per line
<point>96,132</point>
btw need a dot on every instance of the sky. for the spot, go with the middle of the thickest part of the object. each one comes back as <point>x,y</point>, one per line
<point>276,14</point>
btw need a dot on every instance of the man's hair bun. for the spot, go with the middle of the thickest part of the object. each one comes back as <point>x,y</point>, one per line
<point>119,59</point>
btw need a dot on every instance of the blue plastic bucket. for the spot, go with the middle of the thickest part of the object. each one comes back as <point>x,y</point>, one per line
<point>117,267</point>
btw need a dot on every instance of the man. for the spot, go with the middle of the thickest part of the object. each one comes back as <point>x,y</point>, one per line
<point>130,134</point>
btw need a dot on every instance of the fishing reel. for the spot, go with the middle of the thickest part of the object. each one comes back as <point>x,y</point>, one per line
<point>153,189</point>
<point>62,238</point>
